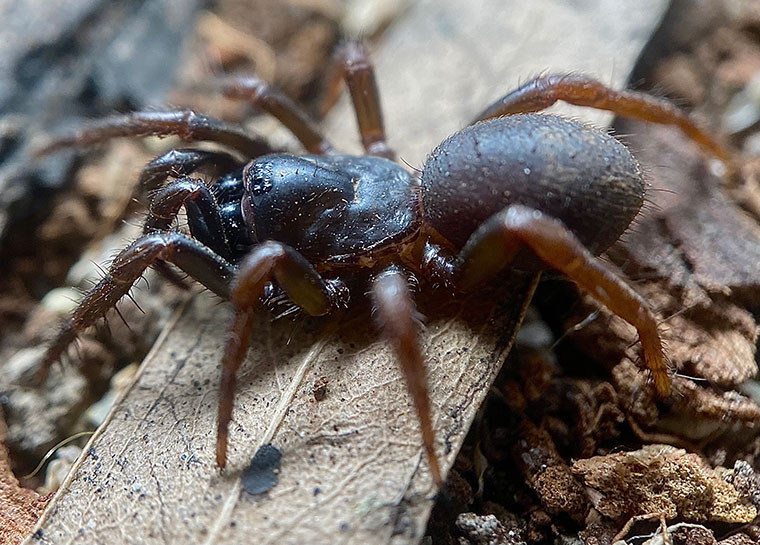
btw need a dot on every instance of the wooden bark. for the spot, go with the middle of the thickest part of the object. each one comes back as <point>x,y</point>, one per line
<point>353,470</point>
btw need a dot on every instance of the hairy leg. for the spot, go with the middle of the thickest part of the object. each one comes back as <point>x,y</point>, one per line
<point>203,215</point>
<point>268,262</point>
<point>183,123</point>
<point>580,90</point>
<point>496,243</point>
<point>398,320</point>
<point>191,256</point>
<point>177,163</point>
<point>353,64</point>
<point>274,102</point>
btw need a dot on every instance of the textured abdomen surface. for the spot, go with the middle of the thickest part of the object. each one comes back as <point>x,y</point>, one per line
<point>580,175</point>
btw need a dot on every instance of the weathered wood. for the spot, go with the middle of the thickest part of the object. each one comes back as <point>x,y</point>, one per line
<point>353,470</point>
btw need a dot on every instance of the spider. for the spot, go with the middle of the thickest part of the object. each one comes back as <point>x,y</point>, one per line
<point>515,188</point>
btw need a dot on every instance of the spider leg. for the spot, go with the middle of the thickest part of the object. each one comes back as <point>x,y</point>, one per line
<point>494,245</point>
<point>184,123</point>
<point>286,111</point>
<point>398,319</point>
<point>267,262</point>
<point>580,90</point>
<point>352,64</point>
<point>188,254</point>
<point>183,162</point>
<point>203,215</point>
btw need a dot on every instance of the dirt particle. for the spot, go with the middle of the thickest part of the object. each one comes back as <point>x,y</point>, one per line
<point>319,389</point>
<point>261,475</point>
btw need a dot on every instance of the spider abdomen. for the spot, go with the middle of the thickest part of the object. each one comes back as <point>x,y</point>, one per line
<point>579,175</point>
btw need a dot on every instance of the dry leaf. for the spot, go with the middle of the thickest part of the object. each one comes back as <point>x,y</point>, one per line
<point>352,463</point>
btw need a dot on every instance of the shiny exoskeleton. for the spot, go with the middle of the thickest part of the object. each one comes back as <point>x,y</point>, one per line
<point>514,189</point>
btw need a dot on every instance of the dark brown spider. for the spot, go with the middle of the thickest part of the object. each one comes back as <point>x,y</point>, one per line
<point>514,189</point>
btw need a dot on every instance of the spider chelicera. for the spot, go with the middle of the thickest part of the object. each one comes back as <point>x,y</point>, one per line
<point>514,189</point>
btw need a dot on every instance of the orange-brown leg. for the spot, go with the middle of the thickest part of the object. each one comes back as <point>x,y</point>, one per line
<point>397,316</point>
<point>267,262</point>
<point>183,123</point>
<point>493,246</point>
<point>274,102</point>
<point>581,90</point>
<point>352,64</point>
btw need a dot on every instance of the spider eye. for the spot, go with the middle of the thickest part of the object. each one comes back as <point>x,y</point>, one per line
<point>261,186</point>
<point>257,177</point>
